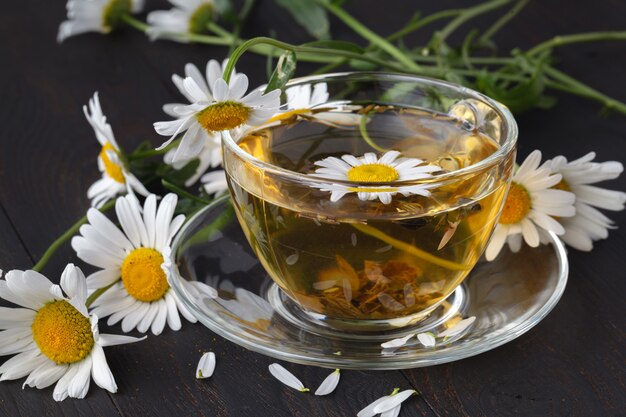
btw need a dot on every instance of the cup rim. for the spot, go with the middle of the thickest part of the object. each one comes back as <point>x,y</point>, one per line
<point>505,148</point>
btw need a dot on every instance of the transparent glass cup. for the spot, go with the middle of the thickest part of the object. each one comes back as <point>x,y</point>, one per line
<point>357,262</point>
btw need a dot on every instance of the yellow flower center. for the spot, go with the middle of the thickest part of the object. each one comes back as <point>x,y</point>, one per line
<point>517,204</point>
<point>62,333</point>
<point>224,115</point>
<point>142,275</point>
<point>373,173</point>
<point>562,185</point>
<point>112,169</point>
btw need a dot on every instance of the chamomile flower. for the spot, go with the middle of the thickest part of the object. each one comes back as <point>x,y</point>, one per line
<point>187,17</point>
<point>95,16</point>
<point>131,261</point>
<point>303,100</point>
<point>530,205</point>
<point>115,178</point>
<point>589,224</point>
<point>388,168</point>
<point>205,146</point>
<point>214,106</point>
<point>53,336</point>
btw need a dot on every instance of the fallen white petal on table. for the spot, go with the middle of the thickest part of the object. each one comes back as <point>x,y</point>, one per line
<point>206,366</point>
<point>286,377</point>
<point>329,384</point>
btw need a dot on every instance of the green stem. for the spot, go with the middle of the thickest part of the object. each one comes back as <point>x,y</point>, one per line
<point>135,23</point>
<point>412,27</point>
<point>182,193</point>
<point>97,293</point>
<point>501,22</point>
<point>220,31</point>
<point>574,86</point>
<point>314,50</point>
<point>372,231</point>
<point>466,15</point>
<point>69,233</point>
<point>366,136</point>
<point>577,38</point>
<point>369,35</point>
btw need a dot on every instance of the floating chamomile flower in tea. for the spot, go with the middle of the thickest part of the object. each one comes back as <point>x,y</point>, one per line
<point>389,168</point>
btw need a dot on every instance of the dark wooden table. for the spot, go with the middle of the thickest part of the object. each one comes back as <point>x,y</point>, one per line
<point>572,363</point>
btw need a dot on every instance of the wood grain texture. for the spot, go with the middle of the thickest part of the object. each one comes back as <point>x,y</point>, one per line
<point>570,364</point>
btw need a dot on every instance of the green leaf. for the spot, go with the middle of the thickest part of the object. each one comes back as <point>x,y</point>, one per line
<point>283,72</point>
<point>338,45</point>
<point>519,97</point>
<point>309,15</point>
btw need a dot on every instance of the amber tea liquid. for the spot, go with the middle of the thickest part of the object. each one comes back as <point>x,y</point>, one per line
<point>355,259</point>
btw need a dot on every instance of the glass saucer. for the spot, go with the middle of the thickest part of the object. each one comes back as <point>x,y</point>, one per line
<point>507,296</point>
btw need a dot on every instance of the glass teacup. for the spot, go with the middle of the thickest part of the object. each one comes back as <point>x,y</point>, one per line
<point>370,200</point>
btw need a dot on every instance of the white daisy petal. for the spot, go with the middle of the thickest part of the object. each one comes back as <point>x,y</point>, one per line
<point>395,343</point>
<point>79,385</point>
<point>61,389</point>
<point>173,319</point>
<point>148,318</point>
<point>329,384</point>
<point>393,401</point>
<point>100,370</point>
<point>206,366</point>
<point>15,317</point>
<point>103,278</point>
<point>11,297</point>
<point>20,365</point>
<point>46,374</point>
<point>73,282</point>
<point>160,319</point>
<point>458,328</point>
<point>108,229</point>
<point>427,339</point>
<point>530,233</point>
<point>369,410</point>
<point>115,339</point>
<point>394,412</point>
<point>286,377</point>
<point>130,321</point>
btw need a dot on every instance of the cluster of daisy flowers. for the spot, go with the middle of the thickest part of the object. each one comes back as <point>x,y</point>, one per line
<point>557,196</point>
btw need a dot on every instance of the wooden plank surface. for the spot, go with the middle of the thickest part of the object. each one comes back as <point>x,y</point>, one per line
<point>571,364</point>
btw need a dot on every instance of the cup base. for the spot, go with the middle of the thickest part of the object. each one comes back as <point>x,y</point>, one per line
<point>354,329</point>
